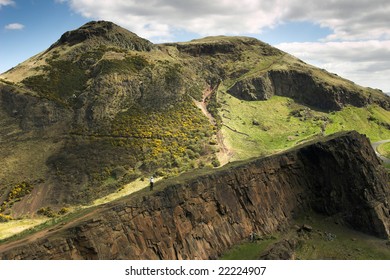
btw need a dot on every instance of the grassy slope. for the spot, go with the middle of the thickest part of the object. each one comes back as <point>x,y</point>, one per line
<point>347,244</point>
<point>384,150</point>
<point>278,129</point>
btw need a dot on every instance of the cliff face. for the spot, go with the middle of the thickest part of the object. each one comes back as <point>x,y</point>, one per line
<point>205,215</point>
<point>302,87</point>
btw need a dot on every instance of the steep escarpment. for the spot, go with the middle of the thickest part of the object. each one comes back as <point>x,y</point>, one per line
<point>200,217</point>
<point>305,88</point>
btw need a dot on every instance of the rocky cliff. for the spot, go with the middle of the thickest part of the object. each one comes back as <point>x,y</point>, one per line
<point>202,216</point>
<point>303,87</point>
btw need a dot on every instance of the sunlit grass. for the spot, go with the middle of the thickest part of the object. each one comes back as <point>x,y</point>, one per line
<point>16,226</point>
<point>255,128</point>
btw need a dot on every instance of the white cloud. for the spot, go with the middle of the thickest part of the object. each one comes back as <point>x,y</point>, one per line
<point>6,3</point>
<point>364,62</point>
<point>14,26</point>
<point>348,19</point>
<point>160,18</point>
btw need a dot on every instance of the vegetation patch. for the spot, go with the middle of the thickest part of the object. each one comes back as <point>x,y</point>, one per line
<point>249,250</point>
<point>47,211</point>
<point>130,64</point>
<point>316,237</point>
<point>62,81</point>
<point>5,218</point>
<point>255,128</point>
<point>16,193</point>
<point>384,150</point>
<point>172,139</point>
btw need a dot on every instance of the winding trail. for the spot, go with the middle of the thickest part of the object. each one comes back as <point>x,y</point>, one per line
<point>375,146</point>
<point>225,154</point>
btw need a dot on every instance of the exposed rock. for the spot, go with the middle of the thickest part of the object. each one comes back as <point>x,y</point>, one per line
<point>203,216</point>
<point>307,228</point>
<point>31,112</point>
<point>255,122</point>
<point>302,87</point>
<point>283,250</point>
<point>258,88</point>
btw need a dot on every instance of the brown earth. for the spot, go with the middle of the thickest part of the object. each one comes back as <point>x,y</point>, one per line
<point>224,153</point>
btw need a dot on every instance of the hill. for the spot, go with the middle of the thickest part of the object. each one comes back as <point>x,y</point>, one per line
<point>200,216</point>
<point>102,107</point>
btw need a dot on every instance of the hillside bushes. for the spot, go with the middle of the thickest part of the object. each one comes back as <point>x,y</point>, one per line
<point>172,139</point>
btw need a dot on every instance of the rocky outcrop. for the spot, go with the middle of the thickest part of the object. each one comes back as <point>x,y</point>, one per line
<point>304,88</point>
<point>32,112</point>
<point>251,89</point>
<point>201,217</point>
<point>104,33</point>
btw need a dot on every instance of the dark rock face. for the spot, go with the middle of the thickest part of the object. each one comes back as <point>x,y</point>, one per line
<point>203,216</point>
<point>31,112</point>
<point>258,88</point>
<point>302,88</point>
<point>207,49</point>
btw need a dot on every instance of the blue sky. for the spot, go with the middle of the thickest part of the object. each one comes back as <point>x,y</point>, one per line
<point>347,37</point>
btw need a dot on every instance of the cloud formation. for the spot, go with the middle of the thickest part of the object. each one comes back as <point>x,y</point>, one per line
<point>348,19</point>
<point>161,18</point>
<point>14,26</point>
<point>6,3</point>
<point>365,62</point>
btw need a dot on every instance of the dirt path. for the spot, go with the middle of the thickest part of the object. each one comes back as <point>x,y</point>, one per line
<point>202,105</point>
<point>82,214</point>
<point>225,153</point>
<point>47,231</point>
<point>375,147</point>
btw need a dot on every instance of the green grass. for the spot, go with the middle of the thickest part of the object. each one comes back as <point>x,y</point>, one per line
<point>131,64</point>
<point>16,226</point>
<point>63,80</point>
<point>255,128</point>
<point>47,224</point>
<point>275,128</point>
<point>367,121</point>
<point>348,244</point>
<point>384,150</point>
<point>247,250</point>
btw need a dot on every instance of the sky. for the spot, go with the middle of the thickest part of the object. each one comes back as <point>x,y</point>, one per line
<point>348,37</point>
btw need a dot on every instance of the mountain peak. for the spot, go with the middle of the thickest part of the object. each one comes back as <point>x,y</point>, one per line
<point>104,33</point>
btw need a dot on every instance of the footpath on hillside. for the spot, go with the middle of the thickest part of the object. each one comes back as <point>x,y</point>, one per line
<point>224,154</point>
<point>375,146</point>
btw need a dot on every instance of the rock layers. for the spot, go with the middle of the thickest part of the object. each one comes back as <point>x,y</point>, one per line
<point>199,217</point>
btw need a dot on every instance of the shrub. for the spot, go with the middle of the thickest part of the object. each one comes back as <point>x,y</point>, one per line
<point>19,191</point>
<point>5,218</point>
<point>46,211</point>
<point>215,162</point>
<point>63,211</point>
